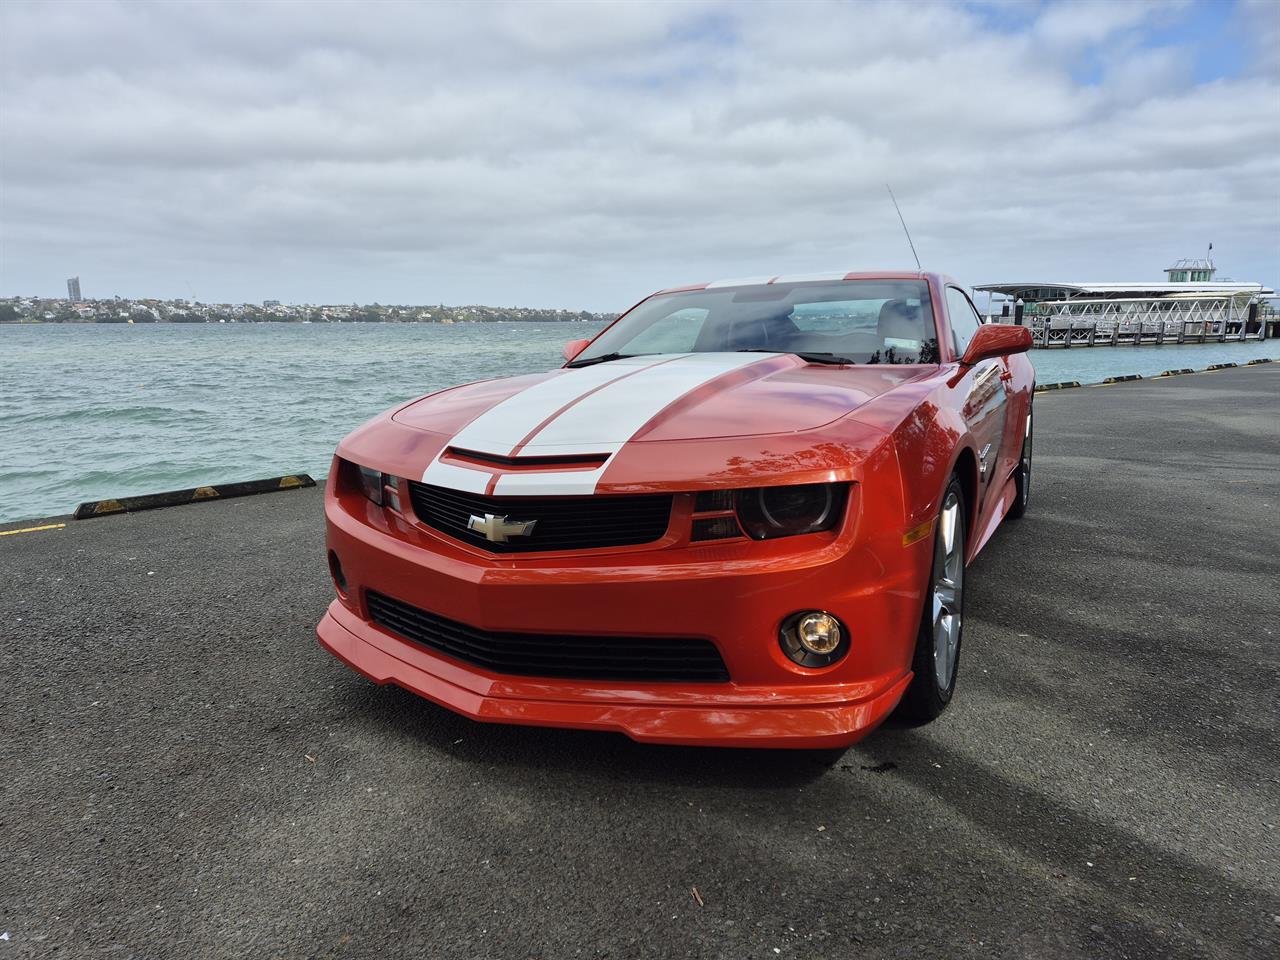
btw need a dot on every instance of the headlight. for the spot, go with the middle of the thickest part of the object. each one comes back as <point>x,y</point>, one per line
<point>768,512</point>
<point>373,484</point>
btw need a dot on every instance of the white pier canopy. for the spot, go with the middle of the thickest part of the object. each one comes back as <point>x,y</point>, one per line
<point>1190,301</point>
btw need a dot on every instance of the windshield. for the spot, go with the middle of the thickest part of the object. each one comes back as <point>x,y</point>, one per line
<point>858,321</point>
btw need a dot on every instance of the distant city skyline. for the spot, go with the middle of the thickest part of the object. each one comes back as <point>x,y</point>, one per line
<point>581,156</point>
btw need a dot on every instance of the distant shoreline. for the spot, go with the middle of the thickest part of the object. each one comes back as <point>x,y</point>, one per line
<point>265,322</point>
<point>27,310</point>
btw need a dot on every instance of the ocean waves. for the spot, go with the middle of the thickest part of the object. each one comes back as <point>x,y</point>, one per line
<point>88,411</point>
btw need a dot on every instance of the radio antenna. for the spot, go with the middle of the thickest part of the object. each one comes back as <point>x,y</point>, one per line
<point>904,226</point>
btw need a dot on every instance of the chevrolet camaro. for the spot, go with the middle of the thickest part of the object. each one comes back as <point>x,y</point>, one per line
<point>739,516</point>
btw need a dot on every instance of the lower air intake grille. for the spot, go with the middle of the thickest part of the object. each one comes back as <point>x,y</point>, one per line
<point>559,523</point>
<point>553,655</point>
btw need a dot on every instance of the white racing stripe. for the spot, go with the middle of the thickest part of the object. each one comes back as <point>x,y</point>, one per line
<point>553,483</point>
<point>612,404</point>
<point>614,413</point>
<point>810,277</point>
<point>606,420</point>
<point>456,478</point>
<point>740,282</point>
<point>500,428</point>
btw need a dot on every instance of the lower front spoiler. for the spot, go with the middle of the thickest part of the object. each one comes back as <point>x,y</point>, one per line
<point>771,725</point>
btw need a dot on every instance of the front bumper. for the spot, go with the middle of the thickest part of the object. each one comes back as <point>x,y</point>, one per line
<point>734,595</point>
<point>774,721</point>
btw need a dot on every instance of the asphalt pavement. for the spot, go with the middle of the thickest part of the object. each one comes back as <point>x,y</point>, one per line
<point>184,773</point>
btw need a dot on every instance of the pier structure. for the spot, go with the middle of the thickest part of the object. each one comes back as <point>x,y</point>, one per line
<point>1189,306</point>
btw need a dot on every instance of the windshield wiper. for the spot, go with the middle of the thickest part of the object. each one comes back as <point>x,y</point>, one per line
<point>603,358</point>
<point>803,355</point>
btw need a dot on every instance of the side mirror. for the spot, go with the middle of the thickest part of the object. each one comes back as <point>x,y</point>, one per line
<point>575,347</point>
<point>996,340</point>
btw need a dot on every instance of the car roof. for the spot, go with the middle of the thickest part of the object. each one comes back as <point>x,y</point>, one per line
<point>827,276</point>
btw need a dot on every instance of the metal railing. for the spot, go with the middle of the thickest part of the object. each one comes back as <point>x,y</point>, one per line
<point>1076,332</point>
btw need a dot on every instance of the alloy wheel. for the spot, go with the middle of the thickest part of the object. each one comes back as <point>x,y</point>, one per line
<point>948,590</point>
<point>1025,465</point>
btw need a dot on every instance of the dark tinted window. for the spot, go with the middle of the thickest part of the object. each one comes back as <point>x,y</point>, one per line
<point>864,321</point>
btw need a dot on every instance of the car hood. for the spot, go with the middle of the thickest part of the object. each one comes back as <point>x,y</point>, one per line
<point>652,398</point>
<point>659,422</point>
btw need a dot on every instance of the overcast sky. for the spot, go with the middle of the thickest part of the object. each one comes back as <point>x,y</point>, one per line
<point>581,155</point>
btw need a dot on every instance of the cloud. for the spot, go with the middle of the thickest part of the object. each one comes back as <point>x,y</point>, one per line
<point>1078,26</point>
<point>582,154</point>
<point>1259,22</point>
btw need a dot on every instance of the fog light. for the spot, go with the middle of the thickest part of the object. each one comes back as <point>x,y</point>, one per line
<point>819,633</point>
<point>813,638</point>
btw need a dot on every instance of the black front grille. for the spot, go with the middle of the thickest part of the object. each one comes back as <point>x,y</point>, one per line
<point>561,523</point>
<point>654,659</point>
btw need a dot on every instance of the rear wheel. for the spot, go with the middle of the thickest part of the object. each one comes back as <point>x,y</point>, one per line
<point>937,655</point>
<point>1022,476</point>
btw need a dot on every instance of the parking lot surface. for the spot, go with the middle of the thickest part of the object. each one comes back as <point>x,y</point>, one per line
<point>184,773</point>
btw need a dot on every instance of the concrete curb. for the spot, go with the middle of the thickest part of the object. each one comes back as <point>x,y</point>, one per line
<point>226,491</point>
<point>1066,384</point>
<point>177,498</point>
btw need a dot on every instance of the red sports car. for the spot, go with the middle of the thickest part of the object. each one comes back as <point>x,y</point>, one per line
<point>740,516</point>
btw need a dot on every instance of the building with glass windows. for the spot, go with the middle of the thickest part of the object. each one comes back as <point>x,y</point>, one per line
<point>1191,271</point>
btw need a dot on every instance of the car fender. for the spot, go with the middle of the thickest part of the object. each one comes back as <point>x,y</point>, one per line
<point>931,442</point>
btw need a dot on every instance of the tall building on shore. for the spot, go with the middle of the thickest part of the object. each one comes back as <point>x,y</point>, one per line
<point>73,289</point>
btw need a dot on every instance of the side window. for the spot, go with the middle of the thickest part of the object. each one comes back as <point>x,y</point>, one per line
<point>675,333</point>
<point>964,319</point>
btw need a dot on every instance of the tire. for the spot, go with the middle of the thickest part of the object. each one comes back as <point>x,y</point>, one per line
<point>1022,476</point>
<point>937,654</point>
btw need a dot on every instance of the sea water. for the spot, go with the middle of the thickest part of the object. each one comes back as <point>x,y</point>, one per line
<point>89,411</point>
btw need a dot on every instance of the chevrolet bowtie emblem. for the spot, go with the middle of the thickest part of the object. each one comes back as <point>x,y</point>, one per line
<point>500,529</point>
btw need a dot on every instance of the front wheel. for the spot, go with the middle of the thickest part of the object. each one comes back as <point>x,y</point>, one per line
<point>937,653</point>
<point>1022,477</point>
